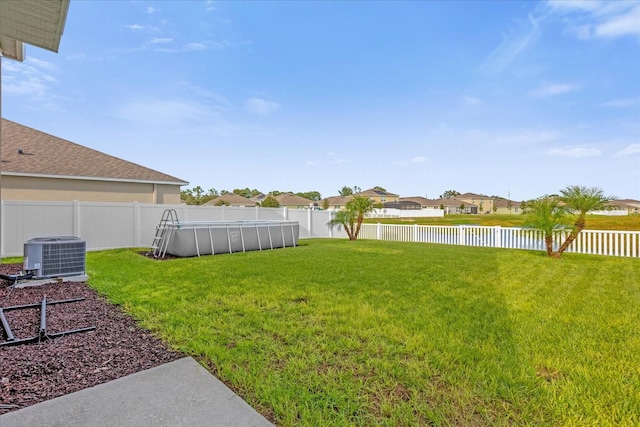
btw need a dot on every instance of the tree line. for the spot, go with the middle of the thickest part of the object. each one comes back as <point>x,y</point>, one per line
<point>198,196</point>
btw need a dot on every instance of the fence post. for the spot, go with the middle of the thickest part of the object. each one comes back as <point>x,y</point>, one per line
<point>309,222</point>
<point>415,232</point>
<point>497,237</point>
<point>136,224</point>
<point>285,213</point>
<point>379,231</point>
<point>76,218</point>
<point>330,228</point>
<point>461,238</point>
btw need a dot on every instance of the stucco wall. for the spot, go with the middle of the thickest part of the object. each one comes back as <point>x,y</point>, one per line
<point>60,189</point>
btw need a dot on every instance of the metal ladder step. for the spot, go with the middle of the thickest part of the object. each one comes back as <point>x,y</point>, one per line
<point>162,237</point>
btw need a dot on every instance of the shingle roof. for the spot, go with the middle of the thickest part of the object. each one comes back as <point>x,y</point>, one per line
<point>289,199</point>
<point>423,201</point>
<point>50,156</point>
<point>452,202</point>
<point>625,203</point>
<point>472,196</point>
<point>233,200</point>
<point>504,203</point>
<point>375,192</point>
<point>335,200</point>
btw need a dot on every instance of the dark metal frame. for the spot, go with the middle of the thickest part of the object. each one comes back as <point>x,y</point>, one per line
<point>42,334</point>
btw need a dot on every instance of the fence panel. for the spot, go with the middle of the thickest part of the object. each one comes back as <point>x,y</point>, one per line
<point>117,225</point>
<point>29,220</point>
<point>611,243</point>
<point>123,225</point>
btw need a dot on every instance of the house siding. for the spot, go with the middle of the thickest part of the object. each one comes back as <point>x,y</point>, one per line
<point>62,189</point>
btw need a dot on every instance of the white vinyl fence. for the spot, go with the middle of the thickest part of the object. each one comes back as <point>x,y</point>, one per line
<point>133,225</point>
<point>613,243</point>
<point>126,225</point>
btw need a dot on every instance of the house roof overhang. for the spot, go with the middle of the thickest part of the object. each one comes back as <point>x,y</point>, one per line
<point>35,22</point>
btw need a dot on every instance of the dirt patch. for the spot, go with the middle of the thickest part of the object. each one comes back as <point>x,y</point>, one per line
<point>32,373</point>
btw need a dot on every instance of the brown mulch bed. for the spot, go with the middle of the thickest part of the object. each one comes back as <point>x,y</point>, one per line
<point>32,373</point>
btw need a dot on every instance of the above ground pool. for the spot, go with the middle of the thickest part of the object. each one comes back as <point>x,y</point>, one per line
<point>197,238</point>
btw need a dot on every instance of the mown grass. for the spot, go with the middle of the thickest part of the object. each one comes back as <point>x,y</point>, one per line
<point>335,332</point>
<point>594,222</point>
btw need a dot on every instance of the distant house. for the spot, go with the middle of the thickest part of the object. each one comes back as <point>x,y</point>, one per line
<point>294,201</point>
<point>404,205</point>
<point>630,205</point>
<point>231,199</point>
<point>39,166</point>
<point>456,206</point>
<point>334,203</point>
<point>484,203</point>
<point>379,196</point>
<point>450,206</point>
<point>422,201</point>
<point>506,206</point>
<point>258,198</point>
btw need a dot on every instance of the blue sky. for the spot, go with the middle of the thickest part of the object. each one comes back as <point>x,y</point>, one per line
<point>501,98</point>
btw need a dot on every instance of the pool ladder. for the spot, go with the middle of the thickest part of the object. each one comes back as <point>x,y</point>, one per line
<point>163,233</point>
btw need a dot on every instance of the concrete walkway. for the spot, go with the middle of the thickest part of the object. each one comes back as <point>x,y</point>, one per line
<point>180,393</point>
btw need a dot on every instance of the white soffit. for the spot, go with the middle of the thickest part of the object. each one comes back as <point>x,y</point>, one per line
<point>35,22</point>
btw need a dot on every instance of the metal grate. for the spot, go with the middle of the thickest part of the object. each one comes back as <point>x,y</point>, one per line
<point>55,256</point>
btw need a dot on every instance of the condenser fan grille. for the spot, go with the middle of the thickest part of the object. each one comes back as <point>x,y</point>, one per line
<point>55,256</point>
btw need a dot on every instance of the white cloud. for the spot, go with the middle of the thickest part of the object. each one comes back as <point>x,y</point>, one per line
<point>598,19</point>
<point>33,81</point>
<point>526,137</point>
<point>134,27</point>
<point>548,89</point>
<point>513,45</point>
<point>196,46</point>
<point>471,101</point>
<point>40,64</point>
<point>621,25</point>
<point>197,91</point>
<point>261,106</point>
<point>165,112</point>
<point>151,9</point>
<point>575,152</point>
<point>160,40</point>
<point>414,160</point>
<point>30,86</point>
<point>629,150</point>
<point>621,103</point>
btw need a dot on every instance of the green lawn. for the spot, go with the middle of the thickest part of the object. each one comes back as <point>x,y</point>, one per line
<point>335,332</point>
<point>594,222</point>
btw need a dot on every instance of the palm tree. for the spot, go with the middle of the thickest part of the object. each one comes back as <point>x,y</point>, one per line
<point>352,215</point>
<point>551,214</point>
<point>548,215</point>
<point>581,200</point>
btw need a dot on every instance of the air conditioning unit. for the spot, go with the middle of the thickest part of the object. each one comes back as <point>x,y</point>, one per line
<point>47,257</point>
